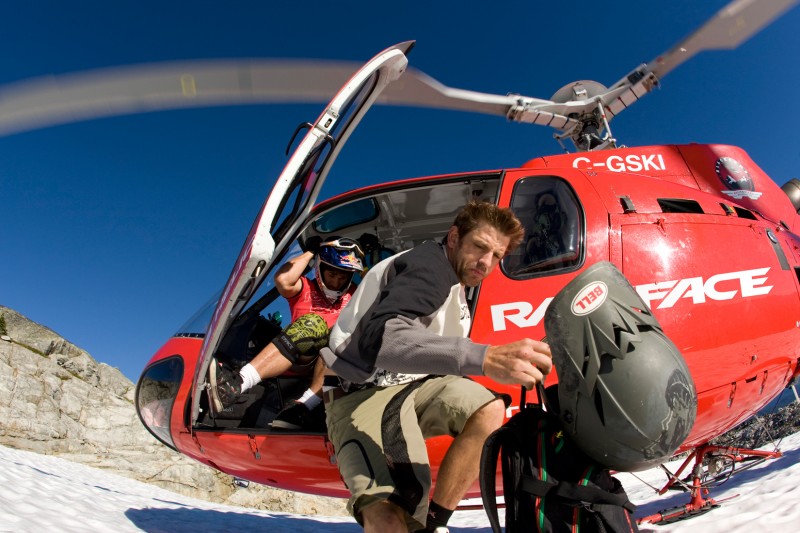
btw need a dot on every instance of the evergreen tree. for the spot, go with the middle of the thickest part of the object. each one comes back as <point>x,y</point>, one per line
<point>3,330</point>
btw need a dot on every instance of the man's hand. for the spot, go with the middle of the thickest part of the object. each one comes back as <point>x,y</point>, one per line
<point>287,278</point>
<point>526,362</point>
<point>312,244</point>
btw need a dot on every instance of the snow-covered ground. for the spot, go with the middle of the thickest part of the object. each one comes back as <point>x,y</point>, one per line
<point>43,493</point>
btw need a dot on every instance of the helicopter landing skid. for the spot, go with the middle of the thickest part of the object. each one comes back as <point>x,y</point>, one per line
<point>713,465</point>
<point>684,512</point>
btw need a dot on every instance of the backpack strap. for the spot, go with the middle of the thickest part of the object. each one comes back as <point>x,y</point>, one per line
<point>576,492</point>
<point>491,451</point>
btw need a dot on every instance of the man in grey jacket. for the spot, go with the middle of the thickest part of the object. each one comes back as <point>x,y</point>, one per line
<point>400,349</point>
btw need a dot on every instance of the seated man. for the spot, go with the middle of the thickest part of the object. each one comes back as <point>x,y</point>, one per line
<point>315,306</point>
<point>545,232</point>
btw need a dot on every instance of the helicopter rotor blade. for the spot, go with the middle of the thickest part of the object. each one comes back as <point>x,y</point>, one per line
<point>420,90</point>
<point>417,89</point>
<point>731,26</point>
<point>54,100</point>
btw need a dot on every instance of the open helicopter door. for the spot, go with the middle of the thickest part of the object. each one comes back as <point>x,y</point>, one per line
<point>293,196</point>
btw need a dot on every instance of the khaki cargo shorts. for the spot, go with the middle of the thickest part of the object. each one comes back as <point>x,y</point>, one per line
<point>379,437</point>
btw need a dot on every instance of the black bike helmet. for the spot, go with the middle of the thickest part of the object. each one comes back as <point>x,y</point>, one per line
<point>625,393</point>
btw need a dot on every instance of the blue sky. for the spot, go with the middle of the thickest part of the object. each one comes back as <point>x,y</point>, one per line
<point>114,231</point>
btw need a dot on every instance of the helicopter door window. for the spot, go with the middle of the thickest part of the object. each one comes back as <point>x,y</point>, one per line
<point>553,221</point>
<point>315,164</point>
<point>256,326</point>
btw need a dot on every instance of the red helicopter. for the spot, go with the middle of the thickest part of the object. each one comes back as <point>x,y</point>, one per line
<point>664,215</point>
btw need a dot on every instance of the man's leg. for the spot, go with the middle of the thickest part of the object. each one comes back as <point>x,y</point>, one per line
<point>468,412</point>
<point>305,335</point>
<point>318,377</point>
<point>270,362</point>
<point>366,427</point>
<point>228,385</point>
<point>384,517</point>
<point>300,413</point>
<point>461,464</point>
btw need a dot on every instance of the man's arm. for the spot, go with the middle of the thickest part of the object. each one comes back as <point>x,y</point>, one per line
<point>410,349</point>
<point>287,278</point>
<point>398,333</point>
<point>415,326</point>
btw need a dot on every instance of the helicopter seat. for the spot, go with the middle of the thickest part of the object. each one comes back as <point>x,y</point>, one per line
<point>374,252</point>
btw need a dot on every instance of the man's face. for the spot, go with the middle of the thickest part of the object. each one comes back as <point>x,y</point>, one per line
<point>475,255</point>
<point>334,278</point>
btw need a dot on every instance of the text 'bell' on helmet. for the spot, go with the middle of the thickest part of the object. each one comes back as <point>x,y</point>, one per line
<point>340,254</point>
<point>625,392</point>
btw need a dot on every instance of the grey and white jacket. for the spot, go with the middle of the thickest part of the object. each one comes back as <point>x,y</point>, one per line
<point>407,319</point>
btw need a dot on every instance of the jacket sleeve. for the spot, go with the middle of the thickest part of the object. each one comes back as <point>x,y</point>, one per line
<point>396,330</point>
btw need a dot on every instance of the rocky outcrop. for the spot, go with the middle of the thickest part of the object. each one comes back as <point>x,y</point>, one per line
<point>56,399</point>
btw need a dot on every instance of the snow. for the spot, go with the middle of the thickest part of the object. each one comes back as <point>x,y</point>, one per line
<point>40,492</point>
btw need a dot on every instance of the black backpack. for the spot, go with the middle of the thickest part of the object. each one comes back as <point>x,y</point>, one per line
<point>549,484</point>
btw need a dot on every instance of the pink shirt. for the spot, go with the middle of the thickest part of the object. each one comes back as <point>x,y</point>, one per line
<point>310,299</point>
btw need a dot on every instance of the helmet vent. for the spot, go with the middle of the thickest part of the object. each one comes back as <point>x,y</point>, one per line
<point>606,363</point>
<point>586,358</point>
<point>598,406</point>
<point>623,338</point>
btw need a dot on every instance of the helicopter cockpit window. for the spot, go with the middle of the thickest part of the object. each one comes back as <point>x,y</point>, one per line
<point>155,396</point>
<point>553,221</point>
<point>351,214</point>
<point>197,325</point>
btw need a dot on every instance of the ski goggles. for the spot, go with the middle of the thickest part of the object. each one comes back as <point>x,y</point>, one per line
<point>344,244</point>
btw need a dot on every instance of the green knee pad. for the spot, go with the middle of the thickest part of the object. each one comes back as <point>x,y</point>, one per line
<point>308,334</point>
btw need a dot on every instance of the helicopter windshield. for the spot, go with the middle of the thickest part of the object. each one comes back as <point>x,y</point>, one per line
<point>196,326</point>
